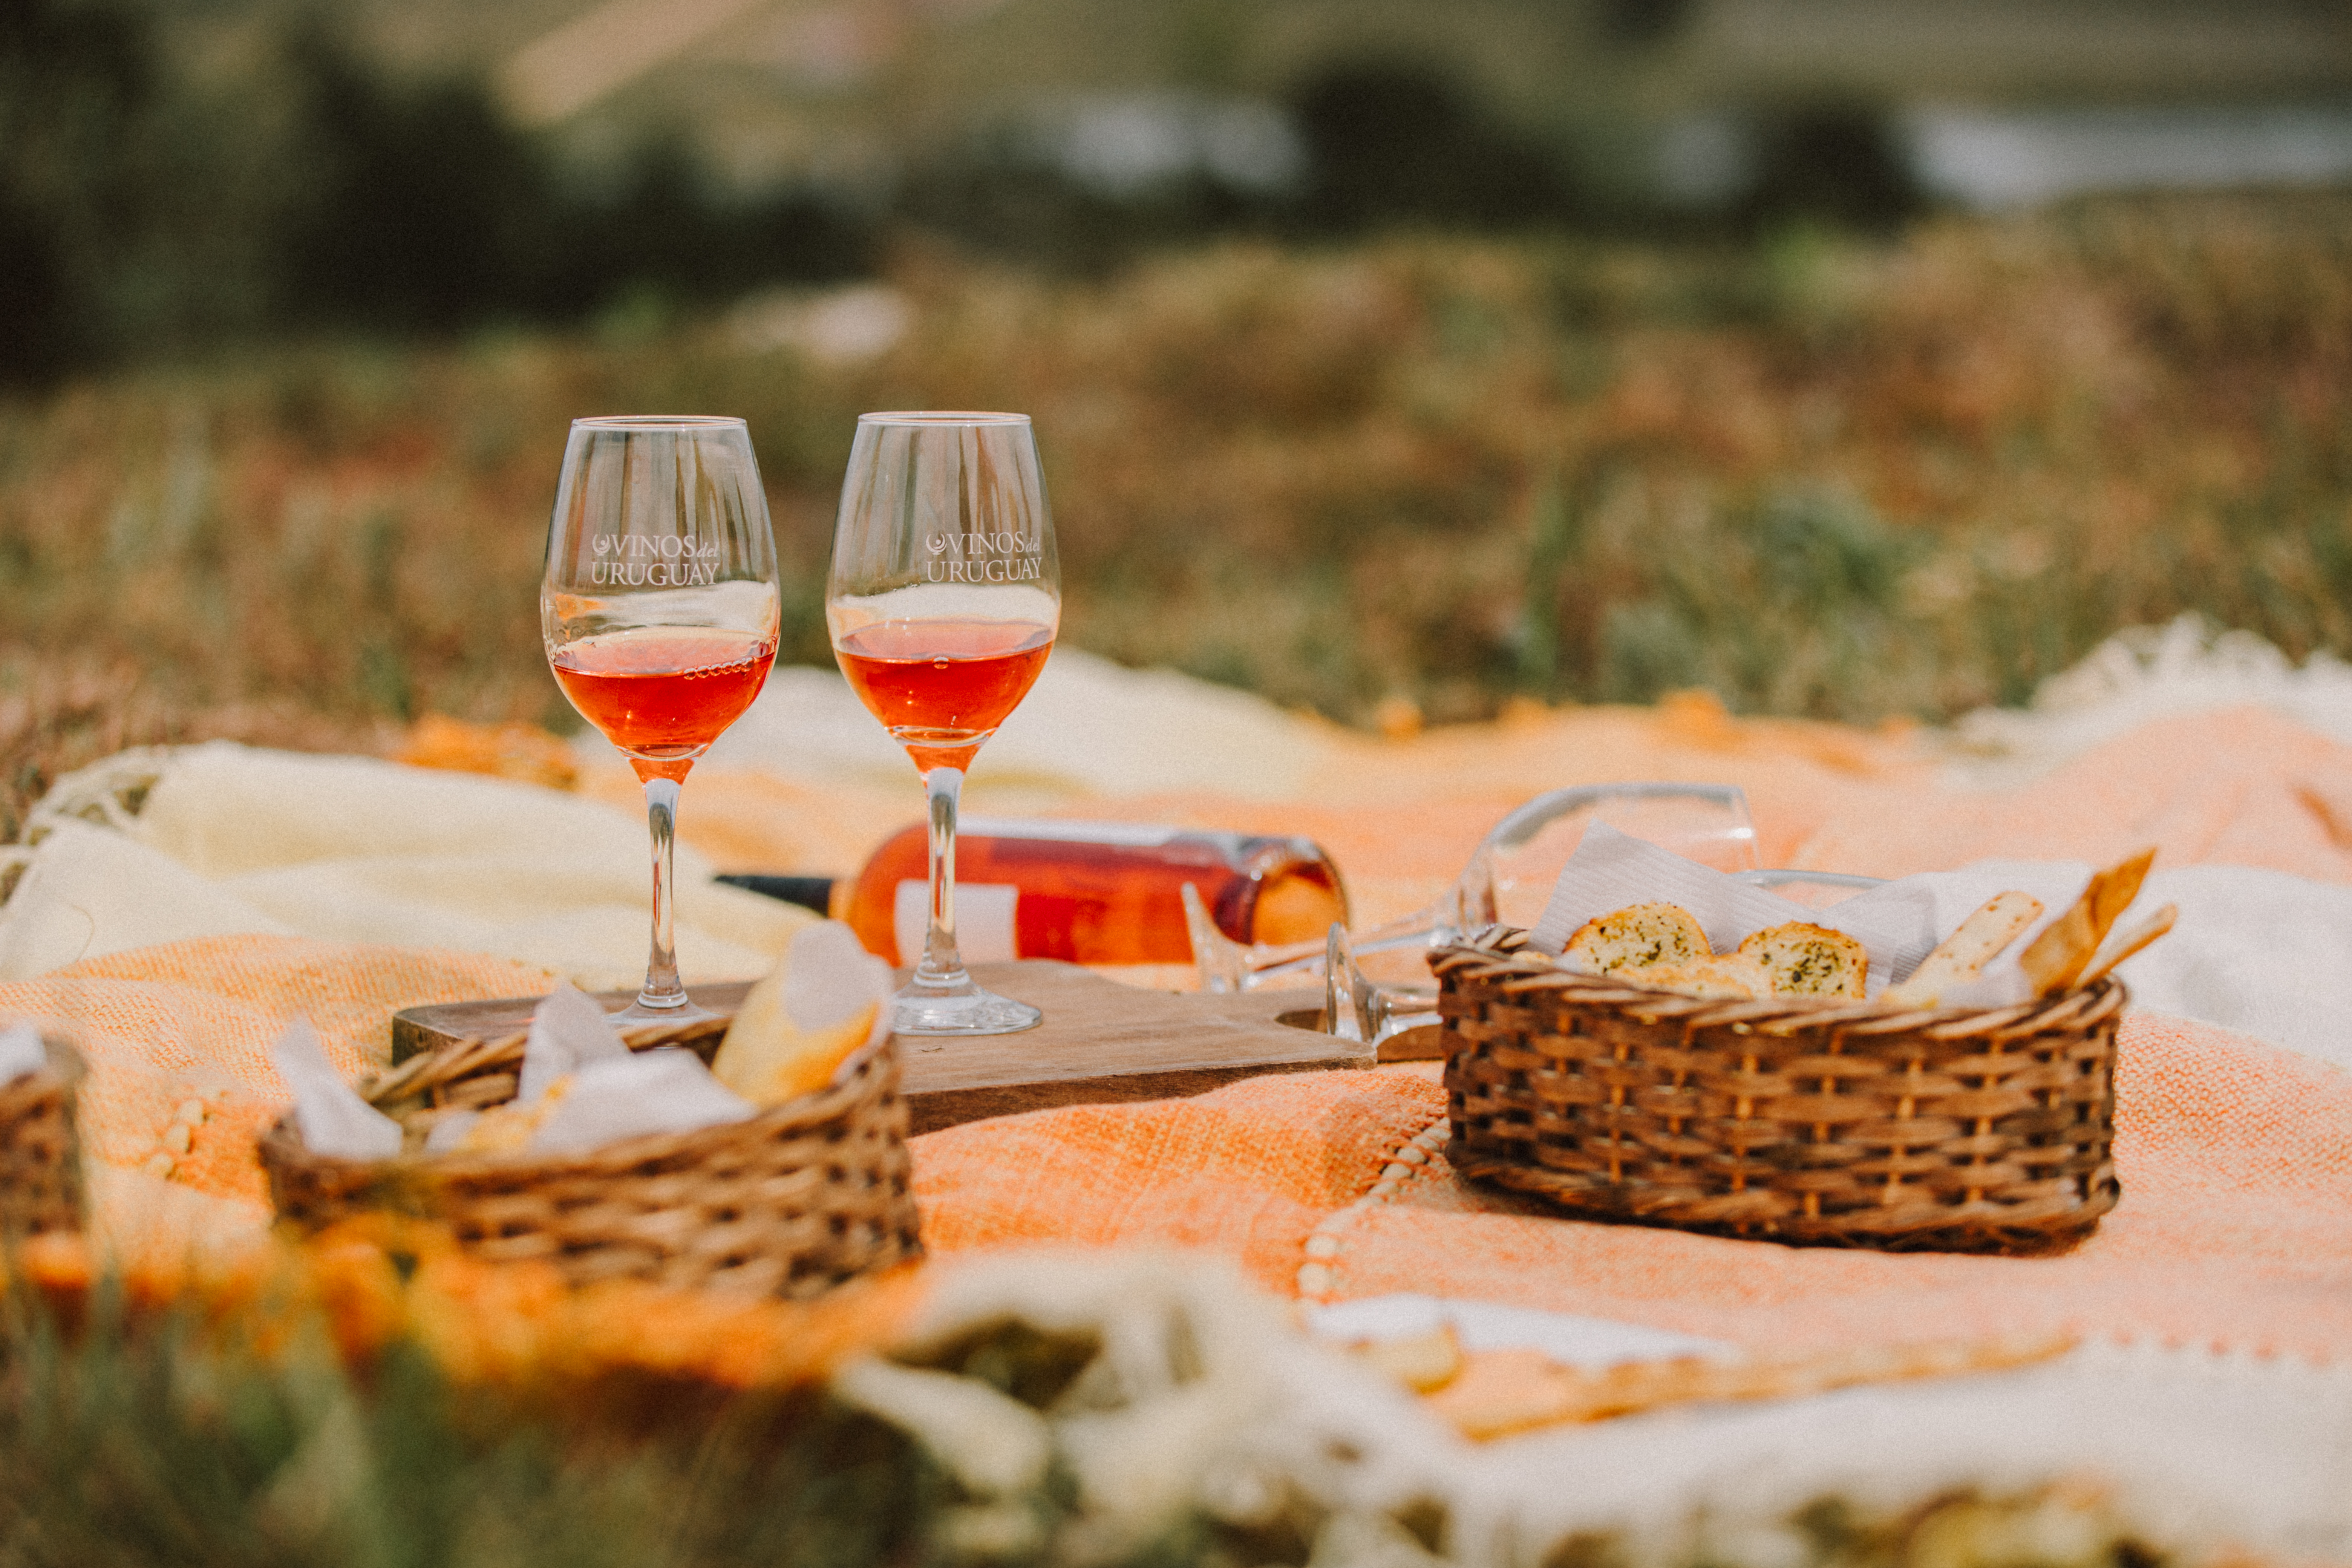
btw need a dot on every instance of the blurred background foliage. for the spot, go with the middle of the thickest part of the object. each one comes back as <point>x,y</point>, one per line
<point>152,204</point>
<point>176,177</point>
<point>1581,352</point>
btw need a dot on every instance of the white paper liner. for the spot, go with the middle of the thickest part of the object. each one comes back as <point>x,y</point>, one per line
<point>328,1113</point>
<point>1898,923</point>
<point>450,1131</point>
<point>666,1089</point>
<point>613,1093</point>
<point>569,1029</point>
<point>829,976</point>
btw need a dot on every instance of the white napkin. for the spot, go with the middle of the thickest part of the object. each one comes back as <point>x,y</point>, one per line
<point>450,1131</point>
<point>21,1052</point>
<point>614,1094</point>
<point>828,976</point>
<point>1949,898</point>
<point>1898,923</point>
<point>332,1117</point>
<point>663,1091</point>
<point>568,1030</point>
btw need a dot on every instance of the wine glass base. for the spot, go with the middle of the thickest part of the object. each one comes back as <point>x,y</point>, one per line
<point>685,1012</point>
<point>922,1011</point>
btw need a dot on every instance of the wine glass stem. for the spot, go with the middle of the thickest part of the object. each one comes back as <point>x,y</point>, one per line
<point>942,964</point>
<point>662,987</point>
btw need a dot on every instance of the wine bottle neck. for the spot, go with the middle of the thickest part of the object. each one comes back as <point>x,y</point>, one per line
<point>808,892</point>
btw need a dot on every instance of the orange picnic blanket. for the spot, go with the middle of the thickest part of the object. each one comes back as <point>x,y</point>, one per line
<point>178,1036</point>
<point>2234,1231</point>
<point>2236,1158</point>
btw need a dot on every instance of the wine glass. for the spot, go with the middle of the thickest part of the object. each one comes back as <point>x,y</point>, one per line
<point>1510,875</point>
<point>943,601</point>
<point>1510,879</point>
<point>659,609</point>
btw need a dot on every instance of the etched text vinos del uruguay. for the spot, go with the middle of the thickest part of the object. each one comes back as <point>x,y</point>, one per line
<point>982,558</point>
<point>634,560</point>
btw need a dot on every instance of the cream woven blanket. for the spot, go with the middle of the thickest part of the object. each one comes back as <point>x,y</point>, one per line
<point>221,839</point>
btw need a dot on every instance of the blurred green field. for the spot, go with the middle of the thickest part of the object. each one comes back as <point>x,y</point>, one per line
<point>1825,476</point>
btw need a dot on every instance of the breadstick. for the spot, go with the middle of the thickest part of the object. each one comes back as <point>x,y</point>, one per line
<point>2154,926</point>
<point>1961,956</point>
<point>2058,955</point>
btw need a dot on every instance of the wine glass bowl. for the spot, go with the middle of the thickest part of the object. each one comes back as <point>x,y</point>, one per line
<point>942,601</point>
<point>942,687</point>
<point>659,610</point>
<point>662,696</point>
<point>1510,876</point>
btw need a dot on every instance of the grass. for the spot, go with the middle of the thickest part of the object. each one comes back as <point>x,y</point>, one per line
<point>1820,476</point>
<point>129,1445</point>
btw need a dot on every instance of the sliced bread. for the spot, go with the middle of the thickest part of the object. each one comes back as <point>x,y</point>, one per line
<point>1806,959</point>
<point>1634,936</point>
<point>1725,975</point>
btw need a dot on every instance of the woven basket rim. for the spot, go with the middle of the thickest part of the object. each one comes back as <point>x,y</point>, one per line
<point>620,1157</point>
<point>1520,970</point>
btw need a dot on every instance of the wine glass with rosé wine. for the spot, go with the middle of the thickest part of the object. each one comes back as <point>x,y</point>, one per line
<point>660,609</point>
<point>942,602</point>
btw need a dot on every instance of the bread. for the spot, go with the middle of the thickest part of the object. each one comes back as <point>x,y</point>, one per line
<point>509,1128</point>
<point>1635,937</point>
<point>1805,959</point>
<point>1961,956</point>
<point>768,1059</point>
<point>836,989</point>
<point>2066,945</point>
<point>1726,975</point>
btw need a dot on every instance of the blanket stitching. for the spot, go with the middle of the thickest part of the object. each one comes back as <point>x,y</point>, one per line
<point>1319,1277</point>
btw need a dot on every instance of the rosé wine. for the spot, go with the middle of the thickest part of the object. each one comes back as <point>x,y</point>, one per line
<point>941,687</point>
<point>663,693</point>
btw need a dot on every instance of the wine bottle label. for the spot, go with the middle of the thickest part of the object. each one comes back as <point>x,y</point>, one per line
<point>1118,834</point>
<point>984,921</point>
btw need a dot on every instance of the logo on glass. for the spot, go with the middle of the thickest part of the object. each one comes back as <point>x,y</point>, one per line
<point>634,561</point>
<point>982,558</point>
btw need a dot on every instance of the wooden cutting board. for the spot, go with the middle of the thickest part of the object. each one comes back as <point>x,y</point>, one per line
<point>1101,1042</point>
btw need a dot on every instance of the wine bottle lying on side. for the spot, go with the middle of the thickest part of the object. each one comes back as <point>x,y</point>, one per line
<point>1088,892</point>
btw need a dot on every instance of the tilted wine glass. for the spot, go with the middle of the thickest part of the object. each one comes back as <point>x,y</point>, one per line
<point>943,602</point>
<point>1508,881</point>
<point>1509,875</point>
<point>659,609</point>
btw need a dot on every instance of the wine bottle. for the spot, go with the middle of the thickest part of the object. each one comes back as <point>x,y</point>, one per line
<point>1089,892</point>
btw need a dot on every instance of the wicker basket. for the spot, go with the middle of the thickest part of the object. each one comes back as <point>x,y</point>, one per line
<point>40,1157</point>
<point>1821,1124</point>
<point>791,1202</point>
